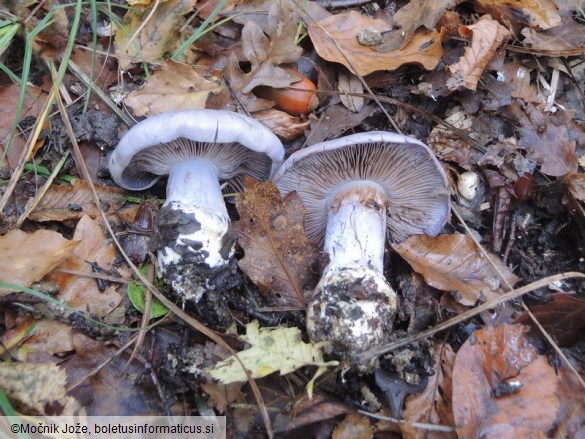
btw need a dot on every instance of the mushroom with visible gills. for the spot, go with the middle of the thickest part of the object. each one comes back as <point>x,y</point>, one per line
<point>355,189</point>
<point>197,149</point>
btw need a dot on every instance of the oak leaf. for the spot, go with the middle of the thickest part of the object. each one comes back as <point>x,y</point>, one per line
<point>278,255</point>
<point>172,87</point>
<point>541,14</point>
<point>410,17</point>
<point>272,350</point>
<point>149,32</point>
<point>453,263</point>
<point>546,139</point>
<point>267,52</point>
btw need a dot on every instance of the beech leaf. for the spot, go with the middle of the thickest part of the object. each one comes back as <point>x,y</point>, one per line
<point>486,36</point>
<point>502,386</point>
<point>71,202</point>
<point>26,257</point>
<point>336,39</point>
<point>453,263</point>
<point>278,255</point>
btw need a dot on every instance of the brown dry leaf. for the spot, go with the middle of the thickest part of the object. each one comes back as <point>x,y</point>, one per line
<point>571,416</point>
<point>335,121</point>
<point>432,405</point>
<point>541,14</point>
<point>27,257</point>
<point>147,33</point>
<point>567,36</point>
<point>335,39</point>
<point>221,396</point>
<point>37,388</point>
<point>33,102</point>
<point>29,339</point>
<point>563,318</point>
<point>349,83</point>
<point>266,53</point>
<point>546,139</point>
<point>353,426</point>
<point>486,36</point>
<point>502,386</point>
<point>284,125</point>
<point>82,293</point>
<point>172,87</point>
<point>453,263</point>
<point>113,391</point>
<point>415,14</point>
<point>71,202</point>
<point>278,255</point>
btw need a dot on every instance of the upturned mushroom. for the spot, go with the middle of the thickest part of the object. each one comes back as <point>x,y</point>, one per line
<point>197,149</point>
<point>355,189</point>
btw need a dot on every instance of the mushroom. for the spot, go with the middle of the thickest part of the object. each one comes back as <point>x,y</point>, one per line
<point>355,189</point>
<point>197,149</point>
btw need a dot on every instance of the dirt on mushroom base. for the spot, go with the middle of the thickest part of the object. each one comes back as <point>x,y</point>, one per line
<point>213,305</point>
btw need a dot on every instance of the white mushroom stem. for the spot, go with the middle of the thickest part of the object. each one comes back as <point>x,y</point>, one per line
<point>356,226</point>
<point>196,222</point>
<point>353,305</point>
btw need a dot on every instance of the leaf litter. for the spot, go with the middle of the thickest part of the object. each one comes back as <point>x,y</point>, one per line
<point>453,60</point>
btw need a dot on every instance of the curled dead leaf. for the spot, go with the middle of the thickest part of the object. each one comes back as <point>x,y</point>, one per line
<point>453,263</point>
<point>336,39</point>
<point>486,36</point>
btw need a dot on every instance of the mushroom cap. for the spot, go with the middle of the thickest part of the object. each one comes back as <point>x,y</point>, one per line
<point>236,144</point>
<point>413,179</point>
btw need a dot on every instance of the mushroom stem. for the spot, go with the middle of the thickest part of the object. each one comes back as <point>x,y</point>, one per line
<point>356,226</point>
<point>194,229</point>
<point>353,305</point>
<point>194,184</point>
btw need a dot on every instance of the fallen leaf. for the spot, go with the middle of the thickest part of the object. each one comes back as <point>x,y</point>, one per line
<point>27,257</point>
<point>72,201</point>
<point>571,416</point>
<point>83,293</point>
<point>453,263</point>
<point>348,84</point>
<point>486,36</point>
<point>433,405</point>
<point>563,318</point>
<point>410,17</point>
<point>278,255</point>
<point>147,33</point>
<point>272,350</point>
<point>37,388</point>
<point>222,395</point>
<point>43,338</point>
<point>307,411</point>
<point>335,39</point>
<point>353,426</point>
<point>267,53</point>
<point>33,102</point>
<point>112,390</point>
<point>335,121</point>
<point>545,139</point>
<point>172,87</point>
<point>502,386</point>
<point>567,36</point>
<point>542,14</point>
<point>284,125</point>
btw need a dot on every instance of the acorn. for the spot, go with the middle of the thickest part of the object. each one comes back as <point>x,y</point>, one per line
<point>295,100</point>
